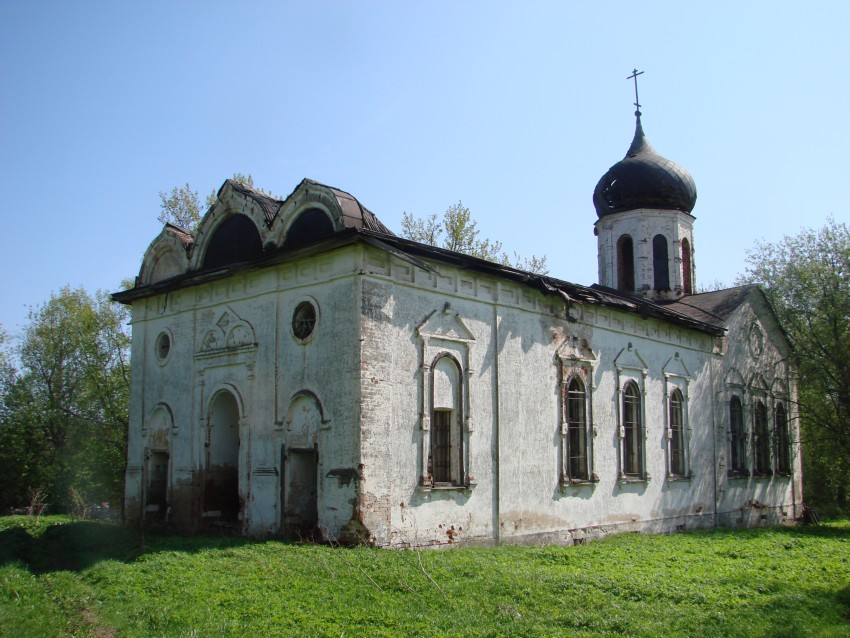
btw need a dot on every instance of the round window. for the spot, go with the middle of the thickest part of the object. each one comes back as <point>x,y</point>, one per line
<point>304,320</point>
<point>163,346</point>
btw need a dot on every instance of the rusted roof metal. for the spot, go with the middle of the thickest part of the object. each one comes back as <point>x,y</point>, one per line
<point>355,214</point>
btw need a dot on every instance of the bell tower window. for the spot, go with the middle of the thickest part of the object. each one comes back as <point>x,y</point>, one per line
<point>625,264</point>
<point>660,268</point>
<point>687,281</point>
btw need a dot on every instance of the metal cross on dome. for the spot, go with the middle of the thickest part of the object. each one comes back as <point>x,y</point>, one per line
<point>634,75</point>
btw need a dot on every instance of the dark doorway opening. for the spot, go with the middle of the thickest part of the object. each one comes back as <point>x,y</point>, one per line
<point>300,494</point>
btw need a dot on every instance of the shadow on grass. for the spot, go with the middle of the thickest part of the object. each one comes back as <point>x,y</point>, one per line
<point>75,546</point>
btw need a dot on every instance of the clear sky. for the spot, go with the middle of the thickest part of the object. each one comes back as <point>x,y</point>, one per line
<point>515,108</point>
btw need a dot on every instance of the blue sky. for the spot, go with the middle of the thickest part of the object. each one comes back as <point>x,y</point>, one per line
<point>514,108</point>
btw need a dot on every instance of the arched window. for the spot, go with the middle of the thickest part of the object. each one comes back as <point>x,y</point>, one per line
<point>687,272</point>
<point>577,466</point>
<point>632,432</point>
<point>677,434</point>
<point>783,450</point>
<point>310,225</point>
<point>736,436</point>
<point>660,267</point>
<point>236,239</point>
<point>221,488</point>
<point>625,264</point>
<point>762,440</point>
<point>446,460</point>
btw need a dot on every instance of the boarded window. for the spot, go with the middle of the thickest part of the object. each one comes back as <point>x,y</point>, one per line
<point>625,264</point>
<point>677,434</point>
<point>783,450</point>
<point>736,436</point>
<point>660,267</point>
<point>577,430</point>
<point>762,440</point>
<point>632,432</point>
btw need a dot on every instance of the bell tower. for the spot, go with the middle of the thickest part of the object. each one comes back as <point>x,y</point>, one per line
<point>645,227</point>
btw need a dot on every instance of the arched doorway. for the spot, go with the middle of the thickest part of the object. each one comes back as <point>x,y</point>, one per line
<point>299,479</point>
<point>221,485</point>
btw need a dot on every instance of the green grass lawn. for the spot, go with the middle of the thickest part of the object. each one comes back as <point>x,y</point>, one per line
<point>60,577</point>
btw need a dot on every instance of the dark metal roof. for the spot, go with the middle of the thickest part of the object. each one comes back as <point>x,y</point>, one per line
<point>712,307</point>
<point>269,204</point>
<point>644,179</point>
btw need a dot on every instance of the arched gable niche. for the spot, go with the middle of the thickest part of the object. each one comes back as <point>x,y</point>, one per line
<point>236,228</point>
<point>309,225</point>
<point>314,210</point>
<point>235,240</point>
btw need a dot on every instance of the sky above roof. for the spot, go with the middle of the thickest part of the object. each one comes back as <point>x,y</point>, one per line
<point>517,109</point>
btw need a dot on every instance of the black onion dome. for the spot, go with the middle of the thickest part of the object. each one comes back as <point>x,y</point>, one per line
<point>644,179</point>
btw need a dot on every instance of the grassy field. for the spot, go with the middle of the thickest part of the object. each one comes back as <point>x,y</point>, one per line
<point>60,577</point>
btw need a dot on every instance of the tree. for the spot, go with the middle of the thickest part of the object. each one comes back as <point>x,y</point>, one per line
<point>458,232</point>
<point>807,280</point>
<point>66,413</point>
<point>181,207</point>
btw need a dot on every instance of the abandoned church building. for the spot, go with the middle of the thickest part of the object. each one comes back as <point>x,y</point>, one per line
<point>299,370</point>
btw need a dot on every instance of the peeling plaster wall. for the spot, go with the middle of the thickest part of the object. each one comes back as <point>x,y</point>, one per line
<point>235,335</point>
<point>357,391</point>
<point>515,408</point>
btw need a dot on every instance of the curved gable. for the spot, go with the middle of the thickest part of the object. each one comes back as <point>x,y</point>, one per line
<point>167,256</point>
<point>314,210</point>
<point>236,228</point>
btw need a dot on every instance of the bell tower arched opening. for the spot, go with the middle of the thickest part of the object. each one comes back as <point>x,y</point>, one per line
<point>660,265</point>
<point>625,264</point>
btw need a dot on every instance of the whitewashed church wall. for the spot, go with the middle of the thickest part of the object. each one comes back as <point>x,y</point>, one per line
<point>396,509</point>
<point>536,505</point>
<point>515,407</point>
<point>235,335</point>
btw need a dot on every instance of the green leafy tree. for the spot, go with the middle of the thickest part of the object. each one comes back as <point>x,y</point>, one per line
<point>181,207</point>
<point>807,279</point>
<point>458,231</point>
<point>67,409</point>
